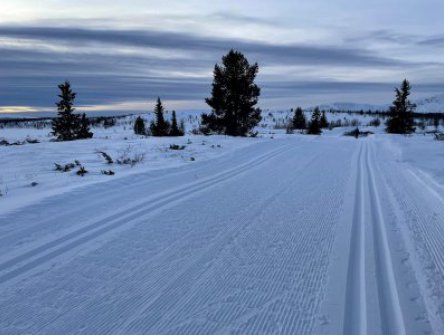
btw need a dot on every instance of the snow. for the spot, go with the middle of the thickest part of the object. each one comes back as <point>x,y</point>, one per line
<point>279,234</point>
<point>430,105</point>
<point>434,104</point>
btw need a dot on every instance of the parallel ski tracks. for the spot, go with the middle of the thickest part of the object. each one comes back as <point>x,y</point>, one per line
<point>33,258</point>
<point>356,302</point>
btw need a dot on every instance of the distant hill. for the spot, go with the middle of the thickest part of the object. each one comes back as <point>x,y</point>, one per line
<point>427,105</point>
<point>353,107</point>
<point>430,105</point>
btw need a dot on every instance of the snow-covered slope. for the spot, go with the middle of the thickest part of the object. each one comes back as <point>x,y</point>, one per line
<point>430,105</point>
<point>426,105</point>
<point>302,235</point>
<point>353,107</point>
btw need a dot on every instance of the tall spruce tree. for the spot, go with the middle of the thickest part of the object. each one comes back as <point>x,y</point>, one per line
<point>159,127</point>
<point>84,129</point>
<point>66,126</point>
<point>139,126</point>
<point>234,97</point>
<point>401,119</point>
<point>323,123</point>
<point>175,130</point>
<point>299,120</point>
<point>314,126</point>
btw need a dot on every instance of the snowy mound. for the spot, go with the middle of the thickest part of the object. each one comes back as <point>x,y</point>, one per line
<point>353,107</point>
<point>430,105</point>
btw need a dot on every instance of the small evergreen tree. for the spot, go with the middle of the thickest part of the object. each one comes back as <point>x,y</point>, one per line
<point>139,126</point>
<point>175,130</point>
<point>159,127</point>
<point>314,126</point>
<point>84,130</point>
<point>436,123</point>
<point>233,98</point>
<point>299,121</point>
<point>323,123</point>
<point>401,119</point>
<point>182,126</point>
<point>66,126</point>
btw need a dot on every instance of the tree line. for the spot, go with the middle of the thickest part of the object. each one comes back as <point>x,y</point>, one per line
<point>233,101</point>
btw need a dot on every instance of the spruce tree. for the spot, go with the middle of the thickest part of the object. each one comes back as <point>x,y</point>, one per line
<point>159,127</point>
<point>234,97</point>
<point>175,130</point>
<point>84,130</point>
<point>139,126</point>
<point>323,121</point>
<point>401,119</point>
<point>66,126</point>
<point>299,121</point>
<point>314,127</point>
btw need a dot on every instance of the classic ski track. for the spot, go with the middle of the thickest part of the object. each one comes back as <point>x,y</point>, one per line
<point>392,318</point>
<point>355,321</point>
<point>191,270</point>
<point>155,316</point>
<point>108,194</point>
<point>44,253</point>
<point>427,234</point>
<point>355,312</point>
<point>177,287</point>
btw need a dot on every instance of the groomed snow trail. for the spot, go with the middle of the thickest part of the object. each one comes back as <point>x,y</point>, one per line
<point>383,294</point>
<point>305,235</point>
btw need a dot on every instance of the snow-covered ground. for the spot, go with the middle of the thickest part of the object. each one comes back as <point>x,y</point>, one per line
<point>279,234</point>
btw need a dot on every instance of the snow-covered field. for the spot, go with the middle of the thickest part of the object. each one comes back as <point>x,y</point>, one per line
<point>279,234</point>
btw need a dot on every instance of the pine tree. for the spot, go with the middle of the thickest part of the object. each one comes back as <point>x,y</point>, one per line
<point>84,130</point>
<point>66,126</point>
<point>182,126</point>
<point>139,126</point>
<point>323,123</point>
<point>401,119</point>
<point>299,121</point>
<point>314,127</point>
<point>234,97</point>
<point>175,130</point>
<point>159,127</point>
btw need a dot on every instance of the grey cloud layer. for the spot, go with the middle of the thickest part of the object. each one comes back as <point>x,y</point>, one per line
<point>271,53</point>
<point>30,74</point>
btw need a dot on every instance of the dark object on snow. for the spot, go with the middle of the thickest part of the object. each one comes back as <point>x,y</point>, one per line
<point>64,168</point>
<point>299,121</point>
<point>69,126</point>
<point>401,112</point>
<point>176,147</point>
<point>159,127</point>
<point>357,133</point>
<point>314,126</point>
<point>233,98</point>
<point>139,126</point>
<point>82,171</point>
<point>107,157</point>
<point>66,126</point>
<point>175,130</point>
<point>32,141</point>
<point>108,172</point>
<point>84,130</point>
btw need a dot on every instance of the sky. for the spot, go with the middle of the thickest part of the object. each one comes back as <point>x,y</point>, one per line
<point>121,55</point>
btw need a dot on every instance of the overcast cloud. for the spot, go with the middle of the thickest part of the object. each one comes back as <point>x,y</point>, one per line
<point>125,54</point>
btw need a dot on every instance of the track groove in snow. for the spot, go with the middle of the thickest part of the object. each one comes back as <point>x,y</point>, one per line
<point>241,245</point>
<point>34,258</point>
<point>390,308</point>
<point>356,305</point>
